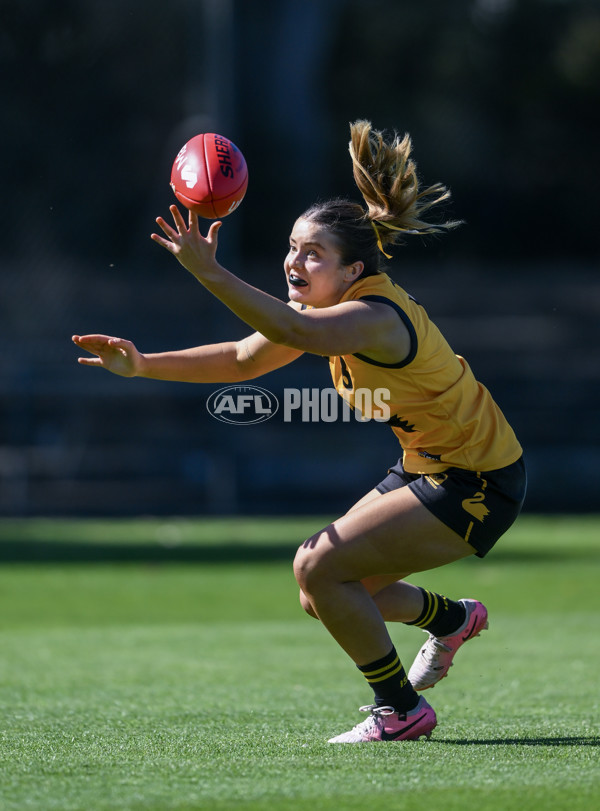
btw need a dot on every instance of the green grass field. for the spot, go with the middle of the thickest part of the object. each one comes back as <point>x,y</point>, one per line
<point>160,665</point>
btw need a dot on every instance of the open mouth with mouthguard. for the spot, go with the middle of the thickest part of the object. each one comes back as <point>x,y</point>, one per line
<point>296,281</point>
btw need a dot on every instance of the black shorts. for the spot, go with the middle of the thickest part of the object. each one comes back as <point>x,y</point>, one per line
<point>480,507</point>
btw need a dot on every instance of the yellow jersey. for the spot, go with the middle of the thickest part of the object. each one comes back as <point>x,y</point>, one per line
<point>442,416</point>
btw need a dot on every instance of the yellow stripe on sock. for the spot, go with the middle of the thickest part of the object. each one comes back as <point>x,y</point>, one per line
<point>386,675</point>
<point>433,604</point>
<point>367,674</point>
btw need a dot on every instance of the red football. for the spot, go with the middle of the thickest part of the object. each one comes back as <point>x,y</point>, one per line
<point>210,175</point>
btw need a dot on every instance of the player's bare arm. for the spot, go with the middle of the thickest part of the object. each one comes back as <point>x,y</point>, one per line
<point>340,329</point>
<point>227,362</point>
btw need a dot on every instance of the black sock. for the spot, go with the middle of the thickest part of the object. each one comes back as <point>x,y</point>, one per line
<point>388,679</point>
<point>440,616</point>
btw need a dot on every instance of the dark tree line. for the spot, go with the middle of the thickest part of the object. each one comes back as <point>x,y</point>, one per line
<point>501,99</point>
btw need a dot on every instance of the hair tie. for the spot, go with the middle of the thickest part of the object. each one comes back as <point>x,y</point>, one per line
<point>379,242</point>
<point>391,227</point>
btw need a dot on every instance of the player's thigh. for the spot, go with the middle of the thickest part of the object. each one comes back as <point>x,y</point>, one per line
<point>386,535</point>
<point>377,582</point>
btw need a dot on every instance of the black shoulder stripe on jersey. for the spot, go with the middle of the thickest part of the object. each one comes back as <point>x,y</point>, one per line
<point>409,326</point>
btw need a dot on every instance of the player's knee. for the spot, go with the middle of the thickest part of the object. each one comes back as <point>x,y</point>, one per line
<point>307,605</point>
<point>310,569</point>
<point>305,567</point>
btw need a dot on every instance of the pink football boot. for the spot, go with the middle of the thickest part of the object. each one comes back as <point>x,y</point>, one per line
<point>435,657</point>
<point>385,724</point>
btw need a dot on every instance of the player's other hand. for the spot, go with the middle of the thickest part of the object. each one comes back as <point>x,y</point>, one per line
<point>113,354</point>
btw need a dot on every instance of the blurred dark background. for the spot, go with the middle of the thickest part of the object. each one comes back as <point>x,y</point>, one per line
<point>501,98</point>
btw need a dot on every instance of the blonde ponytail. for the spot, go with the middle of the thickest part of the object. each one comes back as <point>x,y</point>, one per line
<point>386,177</point>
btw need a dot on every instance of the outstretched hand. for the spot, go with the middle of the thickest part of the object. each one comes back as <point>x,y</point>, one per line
<point>113,354</point>
<point>195,252</point>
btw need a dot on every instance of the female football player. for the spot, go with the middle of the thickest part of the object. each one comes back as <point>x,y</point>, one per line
<point>460,481</point>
